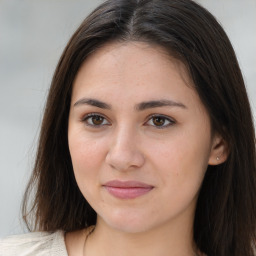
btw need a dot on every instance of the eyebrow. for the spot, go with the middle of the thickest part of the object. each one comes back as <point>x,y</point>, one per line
<point>158,103</point>
<point>139,107</point>
<point>92,102</point>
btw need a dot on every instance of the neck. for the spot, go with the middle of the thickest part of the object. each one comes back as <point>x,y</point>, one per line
<point>167,240</point>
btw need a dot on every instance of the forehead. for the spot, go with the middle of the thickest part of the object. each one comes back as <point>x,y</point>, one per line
<point>140,62</point>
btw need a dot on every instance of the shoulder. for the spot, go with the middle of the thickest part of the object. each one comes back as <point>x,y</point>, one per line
<point>36,243</point>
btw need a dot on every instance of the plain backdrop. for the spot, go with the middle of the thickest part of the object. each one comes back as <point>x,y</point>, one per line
<point>32,37</point>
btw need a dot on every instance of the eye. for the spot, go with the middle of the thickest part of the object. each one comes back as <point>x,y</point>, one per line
<point>95,120</point>
<point>160,121</point>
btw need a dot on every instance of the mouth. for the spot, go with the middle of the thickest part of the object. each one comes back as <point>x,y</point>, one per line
<point>127,189</point>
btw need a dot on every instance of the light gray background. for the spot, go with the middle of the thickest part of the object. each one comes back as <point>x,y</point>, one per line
<point>32,37</point>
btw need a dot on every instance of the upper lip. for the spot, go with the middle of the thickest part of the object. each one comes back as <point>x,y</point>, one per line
<point>127,184</point>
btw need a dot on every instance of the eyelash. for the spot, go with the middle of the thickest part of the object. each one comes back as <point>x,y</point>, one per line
<point>163,118</point>
<point>86,119</point>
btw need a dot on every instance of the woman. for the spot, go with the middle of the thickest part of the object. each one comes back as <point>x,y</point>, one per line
<point>147,145</point>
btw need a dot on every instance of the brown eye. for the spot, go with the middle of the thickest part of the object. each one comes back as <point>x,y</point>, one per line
<point>160,121</point>
<point>95,120</point>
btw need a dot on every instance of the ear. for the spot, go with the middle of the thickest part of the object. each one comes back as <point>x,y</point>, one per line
<point>219,151</point>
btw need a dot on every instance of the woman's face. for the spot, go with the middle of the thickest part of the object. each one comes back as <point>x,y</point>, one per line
<point>139,137</point>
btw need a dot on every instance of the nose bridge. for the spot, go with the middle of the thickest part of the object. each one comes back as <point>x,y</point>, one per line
<point>124,136</point>
<point>124,151</point>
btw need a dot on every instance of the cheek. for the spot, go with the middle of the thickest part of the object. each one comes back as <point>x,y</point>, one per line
<point>182,159</point>
<point>87,157</point>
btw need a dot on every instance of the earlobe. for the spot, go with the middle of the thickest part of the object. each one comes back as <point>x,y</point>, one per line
<point>219,152</point>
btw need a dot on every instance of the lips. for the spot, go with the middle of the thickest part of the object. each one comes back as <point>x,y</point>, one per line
<point>127,189</point>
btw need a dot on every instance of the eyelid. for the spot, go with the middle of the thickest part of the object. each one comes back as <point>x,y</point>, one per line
<point>92,114</point>
<point>171,120</point>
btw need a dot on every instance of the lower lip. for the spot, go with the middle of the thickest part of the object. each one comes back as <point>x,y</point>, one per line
<point>128,192</point>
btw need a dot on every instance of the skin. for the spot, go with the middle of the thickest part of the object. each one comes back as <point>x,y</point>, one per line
<point>168,146</point>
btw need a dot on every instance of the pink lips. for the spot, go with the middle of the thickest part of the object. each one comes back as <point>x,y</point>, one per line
<point>127,189</point>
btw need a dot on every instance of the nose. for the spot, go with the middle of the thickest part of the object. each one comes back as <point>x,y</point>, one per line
<point>124,152</point>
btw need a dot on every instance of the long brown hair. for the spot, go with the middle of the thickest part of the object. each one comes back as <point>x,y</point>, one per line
<point>225,218</point>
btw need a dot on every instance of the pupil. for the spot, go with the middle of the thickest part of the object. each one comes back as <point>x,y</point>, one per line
<point>97,120</point>
<point>159,121</point>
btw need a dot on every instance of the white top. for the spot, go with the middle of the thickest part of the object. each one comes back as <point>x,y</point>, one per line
<point>34,244</point>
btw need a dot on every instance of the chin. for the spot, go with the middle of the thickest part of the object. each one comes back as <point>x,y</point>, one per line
<point>128,223</point>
